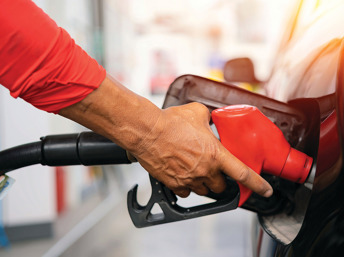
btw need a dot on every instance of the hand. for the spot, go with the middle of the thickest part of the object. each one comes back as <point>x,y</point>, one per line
<point>182,152</point>
<point>176,145</point>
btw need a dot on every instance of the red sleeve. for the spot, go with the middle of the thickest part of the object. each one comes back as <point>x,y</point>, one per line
<point>39,61</point>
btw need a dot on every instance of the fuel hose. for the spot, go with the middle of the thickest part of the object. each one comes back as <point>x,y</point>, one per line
<point>85,148</point>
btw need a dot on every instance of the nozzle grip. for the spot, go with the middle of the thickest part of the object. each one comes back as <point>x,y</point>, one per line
<point>260,144</point>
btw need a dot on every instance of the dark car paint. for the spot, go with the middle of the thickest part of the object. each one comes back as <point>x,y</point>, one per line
<point>321,227</point>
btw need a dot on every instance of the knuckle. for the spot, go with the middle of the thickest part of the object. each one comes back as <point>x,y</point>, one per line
<point>196,104</point>
<point>262,187</point>
<point>173,185</point>
<point>201,191</point>
<point>215,153</point>
<point>220,153</point>
<point>205,111</point>
<point>244,175</point>
<point>200,107</point>
<point>218,190</point>
<point>202,173</point>
<point>203,108</point>
<point>182,192</point>
<point>219,187</point>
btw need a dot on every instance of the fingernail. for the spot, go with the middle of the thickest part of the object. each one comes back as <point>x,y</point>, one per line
<point>268,193</point>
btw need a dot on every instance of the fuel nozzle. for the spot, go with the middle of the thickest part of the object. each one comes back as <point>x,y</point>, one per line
<point>260,144</point>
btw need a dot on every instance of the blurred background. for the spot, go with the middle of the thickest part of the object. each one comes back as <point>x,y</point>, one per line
<point>146,44</point>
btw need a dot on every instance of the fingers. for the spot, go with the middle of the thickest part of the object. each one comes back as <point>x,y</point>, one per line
<point>201,189</point>
<point>237,170</point>
<point>182,192</point>
<point>198,188</point>
<point>216,183</point>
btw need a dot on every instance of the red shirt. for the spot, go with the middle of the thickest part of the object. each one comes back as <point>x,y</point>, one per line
<point>40,62</point>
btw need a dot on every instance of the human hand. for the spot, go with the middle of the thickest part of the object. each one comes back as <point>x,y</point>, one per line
<point>182,152</point>
<point>176,145</point>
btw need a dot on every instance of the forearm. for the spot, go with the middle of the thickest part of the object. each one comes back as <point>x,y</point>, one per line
<point>117,113</point>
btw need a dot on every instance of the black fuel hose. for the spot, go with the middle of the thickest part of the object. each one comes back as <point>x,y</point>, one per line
<point>86,148</point>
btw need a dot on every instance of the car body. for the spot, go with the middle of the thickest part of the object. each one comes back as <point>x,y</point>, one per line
<point>309,68</point>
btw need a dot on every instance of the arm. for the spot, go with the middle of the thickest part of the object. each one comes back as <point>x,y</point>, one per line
<point>41,64</point>
<point>176,145</point>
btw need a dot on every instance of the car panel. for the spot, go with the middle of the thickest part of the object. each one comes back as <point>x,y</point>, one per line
<point>310,65</point>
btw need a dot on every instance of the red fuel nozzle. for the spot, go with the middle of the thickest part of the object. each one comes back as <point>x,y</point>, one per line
<point>260,144</point>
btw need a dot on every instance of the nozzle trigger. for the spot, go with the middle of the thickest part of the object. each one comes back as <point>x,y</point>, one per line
<point>171,211</point>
